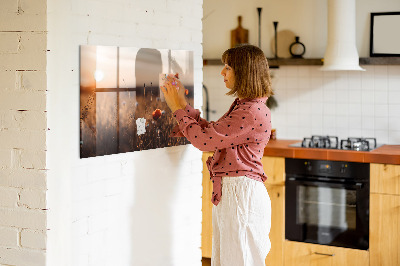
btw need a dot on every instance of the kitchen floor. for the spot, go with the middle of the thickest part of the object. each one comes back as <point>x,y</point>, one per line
<point>206,261</point>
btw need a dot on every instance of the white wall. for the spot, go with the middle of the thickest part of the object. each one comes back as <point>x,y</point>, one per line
<point>306,19</point>
<point>140,208</point>
<point>23,133</point>
<point>311,102</point>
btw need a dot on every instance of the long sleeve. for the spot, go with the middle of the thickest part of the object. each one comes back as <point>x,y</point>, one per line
<point>231,130</point>
<point>193,113</point>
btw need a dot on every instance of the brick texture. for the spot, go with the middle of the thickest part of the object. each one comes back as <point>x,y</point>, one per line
<point>23,125</point>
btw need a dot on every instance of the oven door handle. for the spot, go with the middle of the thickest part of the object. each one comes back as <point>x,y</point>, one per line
<point>352,185</point>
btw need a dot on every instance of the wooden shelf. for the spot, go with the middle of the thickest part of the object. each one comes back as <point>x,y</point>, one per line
<point>380,61</point>
<point>274,63</point>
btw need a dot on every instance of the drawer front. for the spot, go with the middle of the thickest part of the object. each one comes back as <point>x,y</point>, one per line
<point>297,253</point>
<point>385,178</point>
<point>274,168</point>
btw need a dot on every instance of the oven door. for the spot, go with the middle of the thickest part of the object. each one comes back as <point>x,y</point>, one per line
<point>327,213</point>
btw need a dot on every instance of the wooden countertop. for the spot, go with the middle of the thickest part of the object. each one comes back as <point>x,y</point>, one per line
<point>389,154</point>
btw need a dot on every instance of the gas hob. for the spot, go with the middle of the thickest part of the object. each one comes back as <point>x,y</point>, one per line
<point>332,142</point>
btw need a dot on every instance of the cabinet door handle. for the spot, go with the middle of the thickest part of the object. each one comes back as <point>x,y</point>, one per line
<point>324,254</point>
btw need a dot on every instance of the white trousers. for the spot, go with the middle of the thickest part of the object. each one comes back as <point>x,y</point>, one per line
<point>241,223</point>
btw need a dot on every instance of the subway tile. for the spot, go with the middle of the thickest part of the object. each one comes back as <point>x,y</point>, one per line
<point>317,131</point>
<point>291,71</point>
<point>381,110</point>
<point>342,109</point>
<point>354,82</point>
<point>394,110</point>
<point>394,123</point>
<point>380,71</point>
<point>316,72</point>
<point>304,131</point>
<point>367,83</point>
<point>382,136</point>
<point>367,110</point>
<point>329,109</point>
<point>342,122</point>
<point>355,96</point>
<point>394,70</point>
<point>304,72</point>
<point>380,97</point>
<point>394,137</point>
<point>304,109</point>
<point>367,133</point>
<point>394,97</point>
<point>355,122</point>
<point>355,109</point>
<point>367,96</point>
<point>280,72</point>
<point>369,70</point>
<point>367,122</point>
<point>394,83</point>
<point>317,107</point>
<point>293,120</point>
<point>355,132</point>
<point>342,80</point>
<point>329,94</point>
<point>303,82</point>
<point>305,95</point>
<point>329,122</point>
<point>292,82</point>
<point>317,95</point>
<point>316,82</point>
<point>381,84</point>
<point>317,120</point>
<point>381,123</point>
<point>329,83</point>
<point>328,74</point>
<point>342,96</point>
<point>342,133</point>
<point>278,83</point>
<point>331,131</point>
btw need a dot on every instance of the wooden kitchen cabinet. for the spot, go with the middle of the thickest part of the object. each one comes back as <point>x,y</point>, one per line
<point>385,215</point>
<point>277,233</point>
<point>206,225</point>
<point>305,254</point>
<point>384,236</point>
<point>274,168</point>
<point>385,178</point>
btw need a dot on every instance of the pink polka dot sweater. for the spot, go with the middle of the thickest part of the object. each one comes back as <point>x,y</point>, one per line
<point>238,139</point>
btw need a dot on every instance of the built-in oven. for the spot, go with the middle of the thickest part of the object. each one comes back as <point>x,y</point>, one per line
<point>327,202</point>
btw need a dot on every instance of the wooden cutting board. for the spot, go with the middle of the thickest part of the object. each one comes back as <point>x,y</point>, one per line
<point>239,35</point>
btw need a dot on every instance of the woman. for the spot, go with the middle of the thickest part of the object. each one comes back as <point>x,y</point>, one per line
<point>242,208</point>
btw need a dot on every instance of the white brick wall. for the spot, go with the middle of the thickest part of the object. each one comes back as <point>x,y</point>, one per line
<point>23,132</point>
<point>140,208</point>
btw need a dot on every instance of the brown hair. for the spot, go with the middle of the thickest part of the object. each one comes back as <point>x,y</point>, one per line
<point>250,66</point>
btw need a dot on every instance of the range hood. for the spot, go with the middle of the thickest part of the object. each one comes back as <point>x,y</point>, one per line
<point>341,51</point>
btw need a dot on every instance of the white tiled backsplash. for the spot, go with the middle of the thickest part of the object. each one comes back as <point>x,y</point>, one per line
<point>339,103</point>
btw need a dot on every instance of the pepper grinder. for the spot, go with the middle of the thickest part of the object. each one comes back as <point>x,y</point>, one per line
<point>259,26</point>
<point>276,38</point>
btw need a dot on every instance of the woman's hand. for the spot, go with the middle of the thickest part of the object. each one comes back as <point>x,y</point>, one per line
<point>174,93</point>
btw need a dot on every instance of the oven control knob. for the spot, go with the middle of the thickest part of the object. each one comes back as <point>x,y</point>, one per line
<point>308,166</point>
<point>343,168</point>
